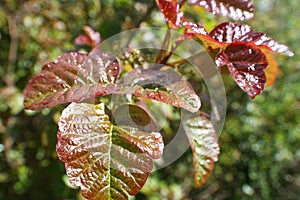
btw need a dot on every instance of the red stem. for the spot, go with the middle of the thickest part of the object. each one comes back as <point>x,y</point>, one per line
<point>182,3</point>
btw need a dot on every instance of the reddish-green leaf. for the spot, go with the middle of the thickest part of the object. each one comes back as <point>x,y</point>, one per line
<point>105,161</point>
<point>90,38</point>
<point>192,30</point>
<point>246,64</point>
<point>228,32</point>
<point>205,147</point>
<point>171,12</point>
<point>73,77</point>
<point>235,9</point>
<point>163,86</point>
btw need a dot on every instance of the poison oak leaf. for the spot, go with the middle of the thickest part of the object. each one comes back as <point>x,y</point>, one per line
<point>228,37</point>
<point>73,77</point>
<point>235,9</point>
<point>171,12</point>
<point>246,64</point>
<point>163,86</point>
<point>204,144</point>
<point>197,30</point>
<point>106,161</point>
<point>226,33</point>
<point>90,38</point>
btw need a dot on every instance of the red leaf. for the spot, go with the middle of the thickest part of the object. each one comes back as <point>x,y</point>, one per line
<point>90,38</point>
<point>73,77</point>
<point>228,32</point>
<point>105,161</point>
<point>235,9</point>
<point>246,64</point>
<point>163,86</point>
<point>192,30</point>
<point>171,12</point>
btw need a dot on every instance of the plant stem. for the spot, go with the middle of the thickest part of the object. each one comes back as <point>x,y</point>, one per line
<point>182,3</point>
<point>164,48</point>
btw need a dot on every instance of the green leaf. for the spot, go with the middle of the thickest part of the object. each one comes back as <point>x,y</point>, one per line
<point>205,147</point>
<point>105,161</point>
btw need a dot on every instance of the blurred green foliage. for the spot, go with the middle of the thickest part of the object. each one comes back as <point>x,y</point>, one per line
<point>260,143</point>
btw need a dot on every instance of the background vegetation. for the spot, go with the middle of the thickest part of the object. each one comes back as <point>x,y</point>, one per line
<point>260,143</point>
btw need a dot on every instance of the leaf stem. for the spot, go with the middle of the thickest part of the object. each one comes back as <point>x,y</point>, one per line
<point>182,3</point>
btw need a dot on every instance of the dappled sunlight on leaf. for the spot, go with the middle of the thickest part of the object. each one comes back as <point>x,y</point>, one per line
<point>106,161</point>
<point>235,9</point>
<point>246,65</point>
<point>229,32</point>
<point>171,12</point>
<point>73,77</point>
<point>205,147</point>
<point>163,86</point>
<point>90,38</point>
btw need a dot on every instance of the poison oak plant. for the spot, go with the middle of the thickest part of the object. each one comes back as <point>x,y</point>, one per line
<point>109,149</point>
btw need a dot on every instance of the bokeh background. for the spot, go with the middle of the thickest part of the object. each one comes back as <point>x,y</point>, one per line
<point>260,142</point>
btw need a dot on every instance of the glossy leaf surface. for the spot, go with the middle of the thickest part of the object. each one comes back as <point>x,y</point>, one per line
<point>171,12</point>
<point>235,9</point>
<point>228,32</point>
<point>198,30</point>
<point>246,64</point>
<point>205,147</point>
<point>73,77</point>
<point>90,38</point>
<point>105,161</point>
<point>163,86</point>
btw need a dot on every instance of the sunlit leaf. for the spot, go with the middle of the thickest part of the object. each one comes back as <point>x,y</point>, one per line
<point>163,86</point>
<point>105,161</point>
<point>73,77</point>
<point>246,64</point>
<point>205,147</point>
<point>271,70</point>
<point>90,38</point>
<point>235,9</point>
<point>171,12</point>
<point>228,32</point>
<point>192,30</point>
